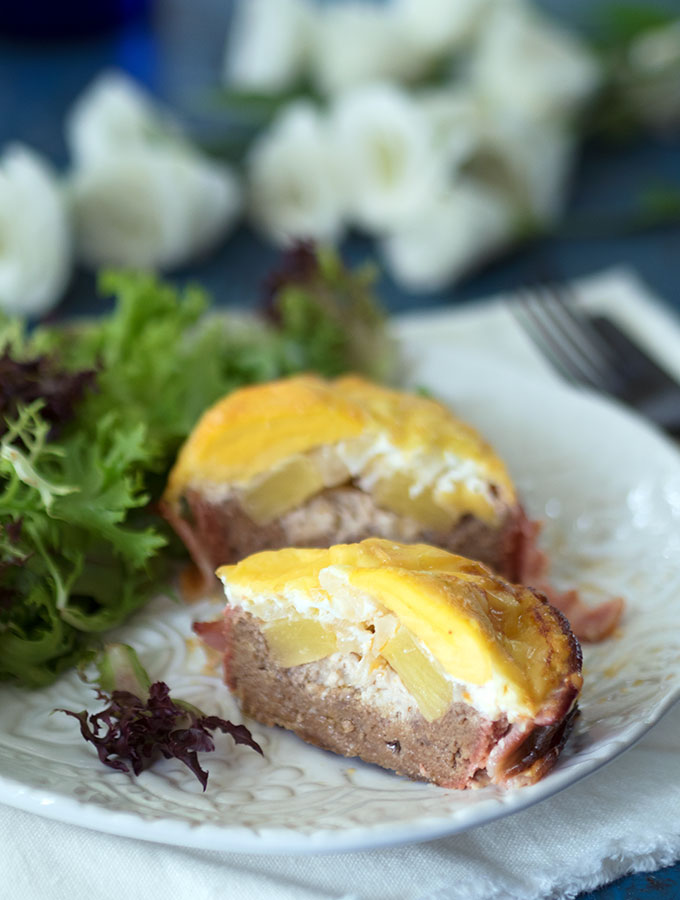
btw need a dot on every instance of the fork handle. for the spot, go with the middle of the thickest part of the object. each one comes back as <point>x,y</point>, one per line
<point>658,398</point>
<point>643,364</point>
<point>663,408</point>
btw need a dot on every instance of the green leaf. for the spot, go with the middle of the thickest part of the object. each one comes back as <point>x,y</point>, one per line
<point>661,202</point>
<point>618,24</point>
<point>329,319</point>
<point>37,654</point>
<point>81,544</point>
<point>120,669</point>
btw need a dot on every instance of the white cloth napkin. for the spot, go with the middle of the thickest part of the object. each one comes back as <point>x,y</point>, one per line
<point>624,818</point>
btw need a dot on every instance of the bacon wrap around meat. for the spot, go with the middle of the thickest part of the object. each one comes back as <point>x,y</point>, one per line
<point>526,563</point>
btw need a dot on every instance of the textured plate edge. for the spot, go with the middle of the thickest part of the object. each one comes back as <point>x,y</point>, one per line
<point>272,842</point>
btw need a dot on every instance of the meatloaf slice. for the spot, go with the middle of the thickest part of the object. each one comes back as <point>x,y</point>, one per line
<point>462,749</point>
<point>406,656</point>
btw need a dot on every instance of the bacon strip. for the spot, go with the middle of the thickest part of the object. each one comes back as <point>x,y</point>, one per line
<point>589,623</point>
<point>191,540</point>
<point>529,565</point>
<point>528,751</point>
<point>214,634</point>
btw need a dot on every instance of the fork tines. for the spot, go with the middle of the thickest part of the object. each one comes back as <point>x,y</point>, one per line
<point>566,337</point>
<point>595,352</point>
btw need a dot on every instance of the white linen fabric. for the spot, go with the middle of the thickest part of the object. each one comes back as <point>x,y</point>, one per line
<point>621,819</point>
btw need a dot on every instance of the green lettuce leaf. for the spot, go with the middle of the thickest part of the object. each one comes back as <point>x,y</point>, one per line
<point>91,417</point>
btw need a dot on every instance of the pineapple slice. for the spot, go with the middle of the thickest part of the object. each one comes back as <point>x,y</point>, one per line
<point>393,493</point>
<point>291,484</point>
<point>294,641</point>
<point>421,676</point>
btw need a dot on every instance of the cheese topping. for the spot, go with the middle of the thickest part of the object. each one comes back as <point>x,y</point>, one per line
<point>495,640</point>
<point>407,450</point>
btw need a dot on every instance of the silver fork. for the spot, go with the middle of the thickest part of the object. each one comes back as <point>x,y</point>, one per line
<point>593,351</point>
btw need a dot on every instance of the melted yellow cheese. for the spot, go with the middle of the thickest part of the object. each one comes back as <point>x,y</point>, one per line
<point>478,627</point>
<point>258,427</point>
<point>263,427</point>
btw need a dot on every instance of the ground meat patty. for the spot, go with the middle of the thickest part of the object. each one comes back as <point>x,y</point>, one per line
<point>219,533</point>
<point>461,749</point>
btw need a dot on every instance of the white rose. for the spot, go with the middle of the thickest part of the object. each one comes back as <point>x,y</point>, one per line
<point>293,183</point>
<point>456,121</point>
<point>142,196</point>
<point>358,42</point>
<point>35,238</point>
<point>269,44</point>
<point>437,26</point>
<point>524,64</point>
<point>154,207</point>
<point>458,231</point>
<point>532,163</point>
<point>114,115</point>
<point>526,160</point>
<point>390,165</point>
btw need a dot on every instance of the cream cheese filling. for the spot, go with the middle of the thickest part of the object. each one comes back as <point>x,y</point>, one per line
<point>371,458</point>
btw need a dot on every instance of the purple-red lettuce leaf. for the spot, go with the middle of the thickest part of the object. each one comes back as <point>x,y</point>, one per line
<point>132,732</point>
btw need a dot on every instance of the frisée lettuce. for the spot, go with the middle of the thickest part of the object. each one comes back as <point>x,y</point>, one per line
<point>91,416</point>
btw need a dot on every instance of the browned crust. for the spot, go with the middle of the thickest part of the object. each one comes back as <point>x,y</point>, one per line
<point>551,623</point>
<point>461,749</point>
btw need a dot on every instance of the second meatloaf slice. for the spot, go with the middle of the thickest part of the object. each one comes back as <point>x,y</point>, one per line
<point>306,462</point>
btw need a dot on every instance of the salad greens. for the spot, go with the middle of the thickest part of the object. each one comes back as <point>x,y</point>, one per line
<point>92,415</point>
<point>142,722</point>
<point>327,315</point>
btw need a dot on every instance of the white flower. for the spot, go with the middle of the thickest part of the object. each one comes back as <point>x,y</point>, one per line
<point>656,50</point>
<point>35,240</point>
<point>294,190</point>
<point>458,231</point>
<point>390,166</point>
<point>359,42</point>
<point>528,161</point>
<point>456,121</point>
<point>142,195</point>
<point>532,162</point>
<point>531,67</point>
<point>154,207</point>
<point>269,44</point>
<point>114,115</point>
<point>437,26</point>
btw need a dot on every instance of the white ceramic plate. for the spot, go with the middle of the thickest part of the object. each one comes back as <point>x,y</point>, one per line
<point>609,489</point>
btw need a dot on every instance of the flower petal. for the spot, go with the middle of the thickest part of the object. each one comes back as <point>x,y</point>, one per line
<point>294,189</point>
<point>470,224</point>
<point>35,239</point>
<point>269,43</point>
<point>153,207</point>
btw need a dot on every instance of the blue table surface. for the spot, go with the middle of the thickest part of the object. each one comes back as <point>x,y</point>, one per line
<point>176,50</point>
